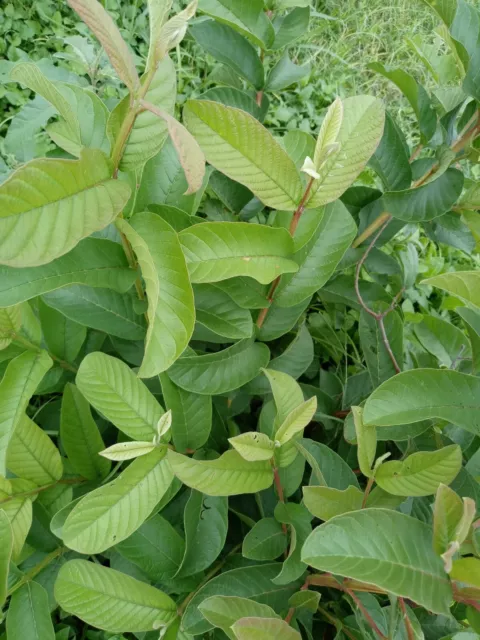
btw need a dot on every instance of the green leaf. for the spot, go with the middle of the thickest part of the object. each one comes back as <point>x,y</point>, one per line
<point>110,600</point>
<point>171,313</point>
<point>156,548</point>
<point>191,415</point>
<point>290,27</point>
<point>101,309</point>
<point>84,114</point>
<point>471,319</point>
<point>335,471</point>
<point>18,511</point>
<point>104,28</point>
<point>236,144</point>
<point>296,420</point>
<point>253,446</point>
<point>286,73</point>
<point>148,134</point>
<point>298,519</point>
<point>224,611</point>
<point>447,514</point>
<point>253,582</point>
<point>415,94</point>
<point>80,436</point>
<point>20,380</point>
<point>230,48</point>
<point>219,250</point>
<point>369,545</point>
<point>94,262</point>
<point>379,364</point>
<point>45,224</point>
<point>63,337</point>
<point>319,257</point>
<point>442,339</point>
<point>265,541</point>
<point>366,442</point>
<point>420,394</point>
<point>426,202</point>
<point>391,158</point>
<point>421,473</point>
<point>127,450</point>
<point>114,511</point>
<point>286,392</point>
<point>326,502</point>
<point>228,475</point>
<point>32,455</point>
<point>264,629</point>
<point>116,392</point>
<point>216,310</point>
<point>358,135</point>
<point>205,525</point>
<point>280,320</point>
<point>6,537</point>
<point>232,97</point>
<point>28,615</point>
<point>245,16</point>
<point>220,372</point>
<point>462,284</point>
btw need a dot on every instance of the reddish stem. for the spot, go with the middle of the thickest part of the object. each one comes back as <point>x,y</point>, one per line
<point>366,615</point>
<point>408,623</point>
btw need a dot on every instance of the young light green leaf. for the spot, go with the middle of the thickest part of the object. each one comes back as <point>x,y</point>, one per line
<point>45,224</point>
<point>219,250</point>
<point>427,202</point>
<point>32,455</point>
<point>101,309</point>
<point>148,133</point>
<point>358,134</point>
<point>18,510</point>
<point>20,380</point>
<point>326,502</point>
<point>10,323</point>
<point>220,372</point>
<point>420,394</point>
<point>241,148</point>
<point>319,257</point>
<point>127,450</point>
<point>104,28</point>
<point>296,420</point>
<point>164,424</point>
<point>171,312</point>
<point>114,390</point>
<point>28,615</point>
<point>156,547</point>
<point>191,415</point>
<point>328,133</point>
<point>94,262</point>
<point>224,611</point>
<point>158,11</point>
<point>206,526</point>
<point>421,473</point>
<point>266,540</point>
<point>366,443</point>
<point>462,284</point>
<point>227,475</point>
<point>6,538</point>
<point>189,153</point>
<point>114,511</point>
<point>110,600</point>
<point>253,582</point>
<point>253,446</point>
<point>305,600</point>
<point>264,629</point>
<point>217,311</point>
<point>367,545</point>
<point>173,32</point>
<point>447,514</point>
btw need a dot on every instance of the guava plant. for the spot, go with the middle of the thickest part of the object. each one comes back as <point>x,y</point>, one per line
<point>227,408</point>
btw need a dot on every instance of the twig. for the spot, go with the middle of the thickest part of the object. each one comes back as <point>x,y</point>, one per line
<point>416,152</point>
<point>34,492</point>
<point>281,495</point>
<point>16,337</point>
<point>366,615</point>
<point>36,570</point>
<point>338,624</point>
<point>368,488</point>
<point>293,226</point>
<point>408,623</point>
<point>378,222</point>
<point>379,317</point>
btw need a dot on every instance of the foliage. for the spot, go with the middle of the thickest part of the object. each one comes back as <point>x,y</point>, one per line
<point>239,389</point>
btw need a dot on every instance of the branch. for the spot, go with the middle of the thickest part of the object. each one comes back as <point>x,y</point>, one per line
<point>366,615</point>
<point>16,337</point>
<point>408,623</point>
